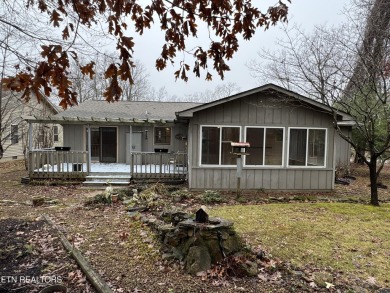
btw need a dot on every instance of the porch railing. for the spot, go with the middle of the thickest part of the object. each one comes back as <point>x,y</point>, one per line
<point>158,165</point>
<point>48,163</point>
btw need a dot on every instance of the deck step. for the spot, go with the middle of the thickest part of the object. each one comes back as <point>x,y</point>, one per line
<point>114,179</point>
<point>111,174</point>
<point>104,183</point>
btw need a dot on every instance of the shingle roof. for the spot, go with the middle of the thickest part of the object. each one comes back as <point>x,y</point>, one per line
<point>127,110</point>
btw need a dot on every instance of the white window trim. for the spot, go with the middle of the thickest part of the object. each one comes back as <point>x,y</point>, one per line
<point>264,142</point>
<point>219,165</point>
<point>307,148</point>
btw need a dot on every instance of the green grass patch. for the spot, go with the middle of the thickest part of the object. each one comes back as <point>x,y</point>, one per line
<point>352,238</point>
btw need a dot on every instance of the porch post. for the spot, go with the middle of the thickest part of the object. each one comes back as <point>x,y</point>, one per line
<point>189,154</point>
<point>130,148</point>
<point>89,149</point>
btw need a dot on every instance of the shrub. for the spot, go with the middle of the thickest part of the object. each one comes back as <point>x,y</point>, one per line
<point>211,196</point>
<point>181,194</point>
<point>150,197</point>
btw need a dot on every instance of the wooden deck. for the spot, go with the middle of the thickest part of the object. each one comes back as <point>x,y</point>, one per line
<point>51,164</point>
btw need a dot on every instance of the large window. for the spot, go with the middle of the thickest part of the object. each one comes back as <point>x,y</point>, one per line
<point>266,146</point>
<point>216,148</point>
<point>162,135</point>
<point>307,147</point>
<point>14,134</point>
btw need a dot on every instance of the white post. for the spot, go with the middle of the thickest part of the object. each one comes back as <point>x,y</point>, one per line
<point>89,149</point>
<point>239,174</point>
<point>130,146</point>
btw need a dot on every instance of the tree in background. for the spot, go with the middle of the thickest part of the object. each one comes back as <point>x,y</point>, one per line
<point>139,89</point>
<point>93,88</point>
<point>346,68</point>
<point>220,91</point>
<point>74,22</point>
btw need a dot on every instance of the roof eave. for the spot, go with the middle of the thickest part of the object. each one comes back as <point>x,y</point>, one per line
<point>346,123</point>
<point>93,120</point>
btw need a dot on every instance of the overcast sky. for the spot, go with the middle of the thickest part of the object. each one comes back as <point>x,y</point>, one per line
<point>306,13</point>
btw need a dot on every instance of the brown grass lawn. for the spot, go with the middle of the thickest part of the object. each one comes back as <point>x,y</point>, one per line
<point>350,239</point>
<point>324,239</point>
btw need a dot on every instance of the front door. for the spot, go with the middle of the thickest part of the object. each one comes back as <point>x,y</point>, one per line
<point>108,144</point>
<point>136,144</point>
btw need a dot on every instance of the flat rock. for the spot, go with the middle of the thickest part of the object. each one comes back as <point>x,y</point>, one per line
<point>214,223</point>
<point>198,259</point>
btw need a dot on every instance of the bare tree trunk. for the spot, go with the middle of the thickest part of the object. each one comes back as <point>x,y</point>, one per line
<point>1,105</point>
<point>368,69</point>
<point>373,182</point>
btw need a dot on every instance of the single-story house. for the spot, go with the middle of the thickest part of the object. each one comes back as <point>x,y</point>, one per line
<point>293,141</point>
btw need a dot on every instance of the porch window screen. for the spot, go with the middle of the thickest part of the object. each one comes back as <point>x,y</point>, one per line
<point>162,135</point>
<point>14,134</point>
<point>307,147</point>
<point>216,148</point>
<point>266,146</point>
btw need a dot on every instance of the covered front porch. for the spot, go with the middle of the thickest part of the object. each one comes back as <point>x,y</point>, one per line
<point>140,149</point>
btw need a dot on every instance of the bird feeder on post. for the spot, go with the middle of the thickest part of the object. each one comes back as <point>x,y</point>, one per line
<point>239,149</point>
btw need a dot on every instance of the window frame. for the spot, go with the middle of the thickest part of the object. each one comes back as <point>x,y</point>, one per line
<point>307,148</point>
<point>264,144</point>
<point>155,133</point>
<point>56,133</point>
<point>14,137</point>
<point>219,165</point>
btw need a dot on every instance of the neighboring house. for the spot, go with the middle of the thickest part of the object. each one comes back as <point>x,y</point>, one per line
<point>14,130</point>
<point>293,141</point>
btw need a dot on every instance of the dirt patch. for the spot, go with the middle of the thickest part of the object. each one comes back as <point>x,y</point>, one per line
<point>32,259</point>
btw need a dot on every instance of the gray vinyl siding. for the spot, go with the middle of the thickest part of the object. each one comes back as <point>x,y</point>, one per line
<point>267,112</point>
<point>74,137</point>
<point>148,145</point>
<point>121,143</point>
<point>342,148</point>
<point>267,179</point>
